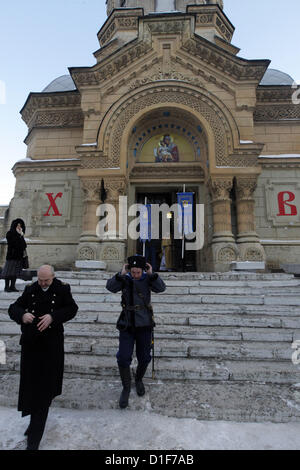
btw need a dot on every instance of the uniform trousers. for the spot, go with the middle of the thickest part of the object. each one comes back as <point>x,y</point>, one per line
<point>142,338</point>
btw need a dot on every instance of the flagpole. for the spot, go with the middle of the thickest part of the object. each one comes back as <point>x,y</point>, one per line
<point>144,242</point>
<point>182,216</point>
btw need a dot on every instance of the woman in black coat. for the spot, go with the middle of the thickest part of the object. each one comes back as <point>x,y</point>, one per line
<point>16,246</point>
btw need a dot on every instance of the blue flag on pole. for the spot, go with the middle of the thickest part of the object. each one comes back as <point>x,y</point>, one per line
<point>145,223</point>
<point>186,202</point>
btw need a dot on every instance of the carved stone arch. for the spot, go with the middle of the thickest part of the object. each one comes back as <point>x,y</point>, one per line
<point>219,125</point>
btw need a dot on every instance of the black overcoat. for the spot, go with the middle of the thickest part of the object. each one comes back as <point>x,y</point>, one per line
<point>42,353</point>
<point>136,298</point>
<point>15,242</point>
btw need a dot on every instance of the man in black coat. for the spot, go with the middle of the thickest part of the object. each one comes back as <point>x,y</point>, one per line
<point>41,311</point>
<point>136,320</point>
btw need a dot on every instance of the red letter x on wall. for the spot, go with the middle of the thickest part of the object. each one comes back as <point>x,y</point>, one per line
<point>53,204</point>
<point>283,205</point>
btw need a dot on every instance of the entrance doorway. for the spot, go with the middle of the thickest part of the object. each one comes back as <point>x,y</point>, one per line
<point>165,253</point>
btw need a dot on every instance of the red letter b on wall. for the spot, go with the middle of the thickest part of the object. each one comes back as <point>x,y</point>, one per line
<point>286,209</point>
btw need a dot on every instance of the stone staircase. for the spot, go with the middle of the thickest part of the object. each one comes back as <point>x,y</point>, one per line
<point>223,347</point>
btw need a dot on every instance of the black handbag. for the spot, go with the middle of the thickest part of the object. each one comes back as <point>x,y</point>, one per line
<point>25,262</point>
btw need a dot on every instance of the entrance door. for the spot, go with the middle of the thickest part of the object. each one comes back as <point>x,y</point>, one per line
<point>165,253</point>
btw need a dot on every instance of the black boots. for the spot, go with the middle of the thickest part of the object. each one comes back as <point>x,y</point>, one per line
<point>140,372</point>
<point>6,288</point>
<point>12,287</point>
<point>126,382</point>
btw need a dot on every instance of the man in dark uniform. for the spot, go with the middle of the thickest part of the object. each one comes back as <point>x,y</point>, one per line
<point>41,311</point>
<point>136,320</point>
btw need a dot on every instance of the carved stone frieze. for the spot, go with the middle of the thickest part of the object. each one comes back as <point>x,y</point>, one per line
<point>282,112</point>
<point>61,118</point>
<point>231,66</point>
<point>110,253</point>
<point>95,76</point>
<point>86,253</point>
<point>173,75</point>
<point>115,187</point>
<point>172,26</point>
<point>227,255</point>
<point>254,254</point>
<point>204,18</point>
<point>117,24</point>
<point>45,166</point>
<point>91,190</point>
<point>274,94</point>
<point>91,159</point>
<point>220,188</point>
<point>195,76</point>
<point>49,101</point>
<point>166,172</point>
<point>223,29</point>
<point>211,16</point>
<point>245,188</point>
<point>284,163</point>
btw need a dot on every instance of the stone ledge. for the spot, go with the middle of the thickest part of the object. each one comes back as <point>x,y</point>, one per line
<point>91,265</point>
<point>250,266</point>
<point>291,268</point>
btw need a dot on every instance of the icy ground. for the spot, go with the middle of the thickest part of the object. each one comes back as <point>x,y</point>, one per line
<point>143,430</point>
<point>139,430</point>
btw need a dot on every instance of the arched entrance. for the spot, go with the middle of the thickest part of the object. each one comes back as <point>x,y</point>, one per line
<point>167,154</point>
<point>162,136</point>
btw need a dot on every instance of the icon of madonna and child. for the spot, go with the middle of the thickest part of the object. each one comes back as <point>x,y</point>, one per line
<point>166,151</point>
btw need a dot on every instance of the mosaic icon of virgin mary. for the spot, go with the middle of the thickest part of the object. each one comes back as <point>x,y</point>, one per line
<point>166,151</point>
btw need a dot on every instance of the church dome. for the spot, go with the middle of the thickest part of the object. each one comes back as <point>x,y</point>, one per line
<point>62,83</point>
<point>276,77</point>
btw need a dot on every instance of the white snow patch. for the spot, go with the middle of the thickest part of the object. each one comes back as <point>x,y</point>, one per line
<point>140,430</point>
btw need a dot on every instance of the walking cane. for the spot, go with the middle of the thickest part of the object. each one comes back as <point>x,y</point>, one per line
<point>152,342</point>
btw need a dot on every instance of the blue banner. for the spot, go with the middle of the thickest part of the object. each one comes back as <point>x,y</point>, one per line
<point>186,202</point>
<point>145,223</point>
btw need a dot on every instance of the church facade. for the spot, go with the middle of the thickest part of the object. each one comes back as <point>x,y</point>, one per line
<point>168,105</point>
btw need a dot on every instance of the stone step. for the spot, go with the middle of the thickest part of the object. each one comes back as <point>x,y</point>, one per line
<point>269,402</point>
<point>183,369</point>
<point>193,320</point>
<point>183,290</point>
<point>260,284</point>
<point>106,344</point>
<point>164,308</point>
<point>236,282</point>
<point>174,331</point>
<point>186,299</point>
<point>93,274</point>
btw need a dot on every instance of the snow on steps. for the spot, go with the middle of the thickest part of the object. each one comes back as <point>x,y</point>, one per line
<point>224,337</point>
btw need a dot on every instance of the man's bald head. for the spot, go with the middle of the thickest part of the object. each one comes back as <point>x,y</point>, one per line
<point>45,276</point>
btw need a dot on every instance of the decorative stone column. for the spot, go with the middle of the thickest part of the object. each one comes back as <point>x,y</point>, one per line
<point>113,247</point>
<point>224,249</point>
<point>248,241</point>
<point>88,248</point>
